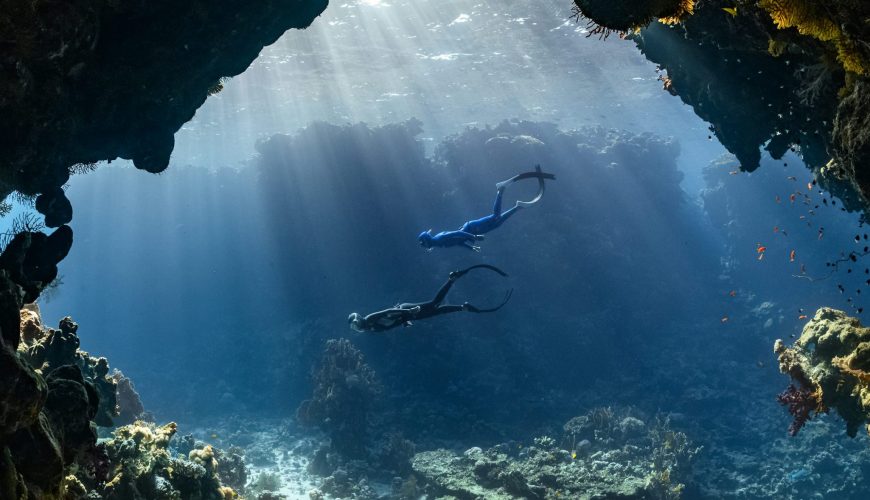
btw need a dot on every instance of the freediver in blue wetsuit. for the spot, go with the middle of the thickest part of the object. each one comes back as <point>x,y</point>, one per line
<point>474,230</point>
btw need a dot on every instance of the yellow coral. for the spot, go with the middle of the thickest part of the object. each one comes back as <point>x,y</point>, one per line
<point>810,17</point>
<point>805,15</point>
<point>686,8</point>
<point>851,58</point>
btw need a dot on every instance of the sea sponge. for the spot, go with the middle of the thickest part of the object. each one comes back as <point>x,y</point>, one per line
<point>628,15</point>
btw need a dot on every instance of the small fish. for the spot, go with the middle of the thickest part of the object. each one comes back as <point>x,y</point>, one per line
<point>802,316</point>
<point>731,10</point>
<point>214,436</point>
<point>761,249</point>
<point>759,364</point>
<point>860,310</point>
<point>778,199</point>
<point>810,186</point>
<point>724,319</point>
<point>821,232</point>
<point>734,172</point>
<point>857,238</point>
<point>792,178</point>
<point>775,229</point>
<point>784,233</point>
<point>761,256</point>
<point>791,197</point>
<point>733,293</point>
<point>791,256</point>
<point>573,455</point>
<point>803,269</point>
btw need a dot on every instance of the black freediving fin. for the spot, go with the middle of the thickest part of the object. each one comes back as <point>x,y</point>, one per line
<point>541,176</point>
<point>474,309</point>
<point>537,174</point>
<point>459,273</point>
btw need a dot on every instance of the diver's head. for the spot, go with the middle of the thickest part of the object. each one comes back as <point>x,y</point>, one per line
<point>425,239</point>
<point>356,322</point>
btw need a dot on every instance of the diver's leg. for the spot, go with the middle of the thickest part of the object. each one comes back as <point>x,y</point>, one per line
<point>496,207</point>
<point>442,292</point>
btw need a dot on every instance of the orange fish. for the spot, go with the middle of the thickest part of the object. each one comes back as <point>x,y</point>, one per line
<point>791,198</point>
<point>791,256</point>
<point>733,293</point>
<point>802,316</point>
<point>724,319</point>
<point>761,249</point>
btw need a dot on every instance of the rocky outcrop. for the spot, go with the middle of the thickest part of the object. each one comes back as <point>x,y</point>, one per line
<point>777,74</point>
<point>830,367</point>
<point>85,81</point>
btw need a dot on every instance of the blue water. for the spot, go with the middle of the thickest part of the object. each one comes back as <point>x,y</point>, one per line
<point>295,197</point>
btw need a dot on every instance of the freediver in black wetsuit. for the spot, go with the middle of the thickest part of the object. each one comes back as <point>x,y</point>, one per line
<point>404,314</point>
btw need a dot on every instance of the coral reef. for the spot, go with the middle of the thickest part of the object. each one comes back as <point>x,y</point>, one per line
<point>829,362</point>
<point>88,81</point>
<point>139,464</point>
<point>612,460</point>
<point>345,388</point>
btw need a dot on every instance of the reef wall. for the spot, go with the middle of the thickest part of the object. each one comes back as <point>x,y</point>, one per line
<point>778,74</point>
<point>82,82</point>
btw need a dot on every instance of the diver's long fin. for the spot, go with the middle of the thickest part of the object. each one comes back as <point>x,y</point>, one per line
<point>540,175</point>
<point>507,297</point>
<point>481,266</point>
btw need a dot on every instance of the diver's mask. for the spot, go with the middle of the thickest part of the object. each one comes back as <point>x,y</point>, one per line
<point>356,322</point>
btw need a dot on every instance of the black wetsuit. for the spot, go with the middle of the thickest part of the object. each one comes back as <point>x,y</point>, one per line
<point>403,314</point>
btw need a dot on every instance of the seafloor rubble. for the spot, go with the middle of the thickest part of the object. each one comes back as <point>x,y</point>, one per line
<point>603,454</point>
<point>777,74</point>
<point>85,81</point>
<point>829,365</point>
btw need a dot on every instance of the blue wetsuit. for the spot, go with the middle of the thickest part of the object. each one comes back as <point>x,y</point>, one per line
<point>474,230</point>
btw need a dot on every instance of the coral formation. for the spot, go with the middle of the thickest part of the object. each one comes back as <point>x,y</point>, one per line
<point>139,464</point>
<point>130,407</point>
<point>345,388</point>
<point>615,462</point>
<point>829,362</point>
<point>607,16</point>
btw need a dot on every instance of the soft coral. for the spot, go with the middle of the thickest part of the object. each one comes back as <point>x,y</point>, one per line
<point>801,403</point>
